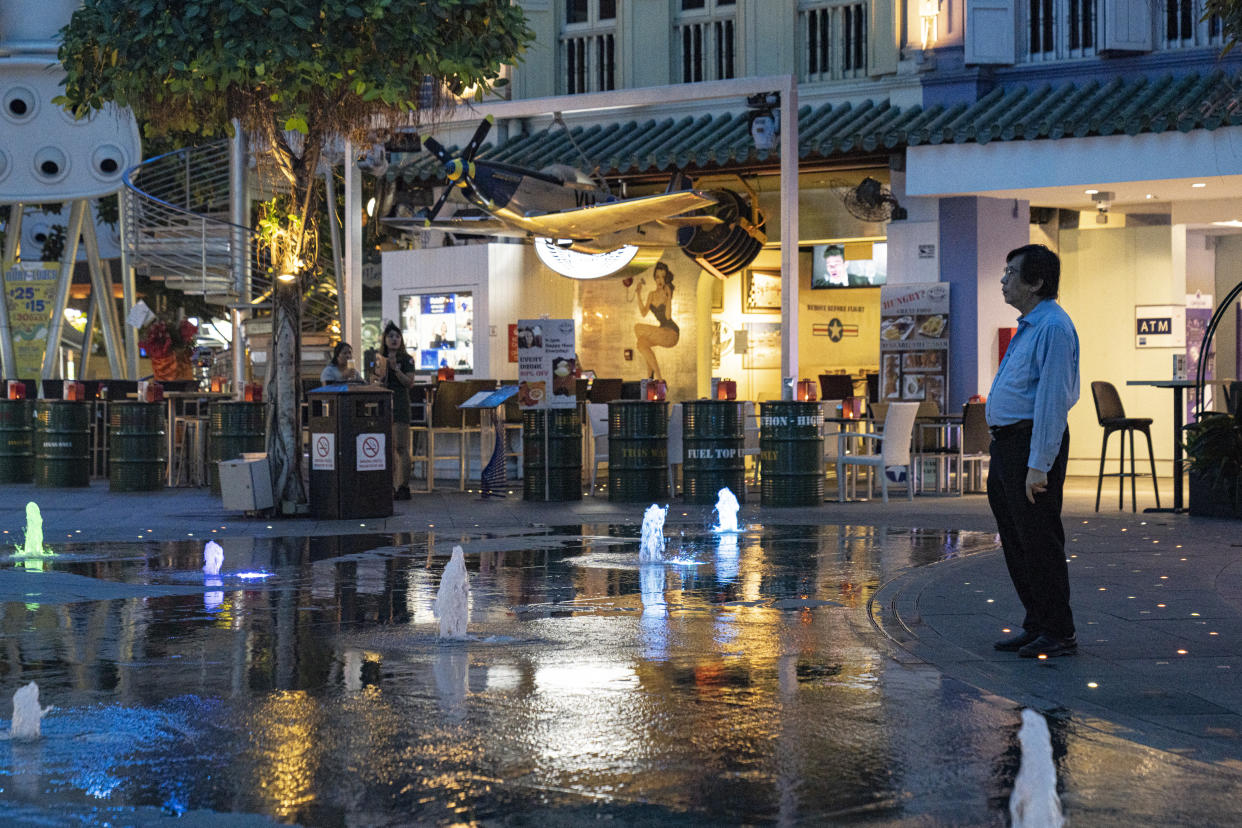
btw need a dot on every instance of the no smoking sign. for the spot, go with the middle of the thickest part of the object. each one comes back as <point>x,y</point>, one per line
<point>371,452</point>
<point>323,452</point>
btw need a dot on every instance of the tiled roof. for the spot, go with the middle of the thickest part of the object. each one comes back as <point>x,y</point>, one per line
<point>1122,105</point>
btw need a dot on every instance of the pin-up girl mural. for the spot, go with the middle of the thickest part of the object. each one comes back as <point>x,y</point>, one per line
<point>659,302</point>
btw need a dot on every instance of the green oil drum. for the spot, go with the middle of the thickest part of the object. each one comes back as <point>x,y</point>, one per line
<point>62,443</point>
<point>233,429</point>
<point>791,454</point>
<point>137,447</point>
<point>552,455</point>
<point>16,442</point>
<point>637,451</point>
<point>713,436</point>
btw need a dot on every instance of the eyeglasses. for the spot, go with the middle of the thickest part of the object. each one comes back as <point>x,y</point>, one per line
<point>1010,271</point>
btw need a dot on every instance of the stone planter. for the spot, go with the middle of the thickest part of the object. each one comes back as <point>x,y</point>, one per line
<point>1208,500</point>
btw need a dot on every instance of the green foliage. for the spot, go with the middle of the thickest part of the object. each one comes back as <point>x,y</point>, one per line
<point>1230,14</point>
<point>1214,447</point>
<point>315,67</point>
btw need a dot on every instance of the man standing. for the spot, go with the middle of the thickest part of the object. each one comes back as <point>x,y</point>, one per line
<point>1027,411</point>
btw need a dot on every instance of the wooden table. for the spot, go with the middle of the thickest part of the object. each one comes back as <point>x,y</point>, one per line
<point>176,407</point>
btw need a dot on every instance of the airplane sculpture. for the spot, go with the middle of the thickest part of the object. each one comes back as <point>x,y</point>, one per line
<point>581,230</point>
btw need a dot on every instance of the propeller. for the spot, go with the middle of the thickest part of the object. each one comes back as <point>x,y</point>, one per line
<point>459,170</point>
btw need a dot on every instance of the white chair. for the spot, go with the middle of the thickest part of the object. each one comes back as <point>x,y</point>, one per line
<point>676,451</point>
<point>828,432</point>
<point>597,414</point>
<point>893,445</point>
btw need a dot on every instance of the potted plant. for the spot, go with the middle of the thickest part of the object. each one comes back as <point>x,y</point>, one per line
<point>169,345</point>
<point>1214,449</point>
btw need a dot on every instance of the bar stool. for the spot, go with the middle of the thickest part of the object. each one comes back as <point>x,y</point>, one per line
<point>1112,417</point>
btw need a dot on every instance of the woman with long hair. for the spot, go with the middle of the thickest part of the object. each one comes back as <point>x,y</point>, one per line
<point>664,334</point>
<point>394,369</point>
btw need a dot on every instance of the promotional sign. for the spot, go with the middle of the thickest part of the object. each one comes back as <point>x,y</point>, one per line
<point>29,291</point>
<point>914,343</point>
<point>546,363</point>
<point>1159,326</point>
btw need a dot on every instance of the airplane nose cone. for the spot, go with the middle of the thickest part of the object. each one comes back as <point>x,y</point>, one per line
<point>455,169</point>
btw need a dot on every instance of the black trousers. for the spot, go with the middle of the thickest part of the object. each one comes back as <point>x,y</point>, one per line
<point>1031,534</point>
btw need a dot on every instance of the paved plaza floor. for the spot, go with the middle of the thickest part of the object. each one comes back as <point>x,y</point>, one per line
<point>1151,702</point>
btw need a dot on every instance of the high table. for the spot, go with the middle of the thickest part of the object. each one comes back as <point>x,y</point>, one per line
<point>178,402</point>
<point>1177,385</point>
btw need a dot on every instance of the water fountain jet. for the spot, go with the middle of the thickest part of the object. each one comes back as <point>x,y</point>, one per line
<point>651,544</point>
<point>213,556</point>
<point>453,598</point>
<point>27,713</point>
<point>726,511</point>
<point>33,545</point>
<point>1034,802</point>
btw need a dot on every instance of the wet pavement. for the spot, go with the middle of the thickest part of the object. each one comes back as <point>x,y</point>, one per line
<point>828,665</point>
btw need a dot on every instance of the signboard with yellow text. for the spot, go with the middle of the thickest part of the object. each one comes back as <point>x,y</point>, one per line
<point>30,291</point>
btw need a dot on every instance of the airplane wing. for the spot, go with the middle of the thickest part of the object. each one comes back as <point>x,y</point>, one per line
<point>603,219</point>
<point>465,225</point>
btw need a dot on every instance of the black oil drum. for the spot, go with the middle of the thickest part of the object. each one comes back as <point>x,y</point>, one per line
<point>62,443</point>
<point>637,451</point>
<point>233,429</point>
<point>16,441</point>
<point>137,447</point>
<point>713,435</point>
<point>791,454</point>
<point>552,455</point>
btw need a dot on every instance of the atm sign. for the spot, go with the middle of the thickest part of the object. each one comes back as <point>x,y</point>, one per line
<point>1156,326</point>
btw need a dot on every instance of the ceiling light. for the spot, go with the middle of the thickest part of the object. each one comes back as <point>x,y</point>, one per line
<point>576,265</point>
<point>1090,192</point>
<point>1198,185</point>
<point>1230,223</point>
<point>1150,195</point>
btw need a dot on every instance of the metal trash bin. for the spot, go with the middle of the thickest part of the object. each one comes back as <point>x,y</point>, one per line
<point>791,454</point>
<point>554,473</point>
<point>62,438</point>
<point>233,429</point>
<point>350,452</point>
<point>637,451</point>
<point>137,447</point>
<point>16,441</point>
<point>713,437</point>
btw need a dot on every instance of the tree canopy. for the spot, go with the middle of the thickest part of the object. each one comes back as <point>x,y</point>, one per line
<point>314,67</point>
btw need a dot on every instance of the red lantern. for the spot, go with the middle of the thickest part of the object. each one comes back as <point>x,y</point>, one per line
<point>445,374</point>
<point>656,389</point>
<point>253,392</point>
<point>726,389</point>
<point>806,391</point>
<point>74,391</point>
<point>17,390</point>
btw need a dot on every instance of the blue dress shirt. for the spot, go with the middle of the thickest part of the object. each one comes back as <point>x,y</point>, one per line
<point>1038,380</point>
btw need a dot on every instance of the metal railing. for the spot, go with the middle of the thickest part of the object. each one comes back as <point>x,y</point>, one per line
<point>177,208</point>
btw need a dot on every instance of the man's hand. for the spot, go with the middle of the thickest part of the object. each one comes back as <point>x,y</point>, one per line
<point>1036,483</point>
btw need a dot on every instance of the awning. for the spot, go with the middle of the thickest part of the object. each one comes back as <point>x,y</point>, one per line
<point>709,143</point>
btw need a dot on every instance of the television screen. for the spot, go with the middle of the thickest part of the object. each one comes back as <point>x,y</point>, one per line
<point>849,264</point>
<point>438,329</point>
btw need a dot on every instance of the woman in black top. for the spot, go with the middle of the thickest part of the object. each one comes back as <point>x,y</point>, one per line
<point>394,369</point>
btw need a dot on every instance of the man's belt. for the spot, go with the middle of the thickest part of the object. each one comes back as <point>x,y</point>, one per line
<point>1006,432</point>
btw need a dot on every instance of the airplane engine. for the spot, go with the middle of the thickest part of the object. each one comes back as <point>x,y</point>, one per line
<point>732,244</point>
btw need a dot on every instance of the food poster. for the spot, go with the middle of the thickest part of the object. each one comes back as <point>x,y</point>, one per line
<point>546,363</point>
<point>914,343</point>
<point>30,290</point>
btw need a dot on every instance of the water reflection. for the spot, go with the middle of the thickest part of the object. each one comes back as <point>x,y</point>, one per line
<point>746,689</point>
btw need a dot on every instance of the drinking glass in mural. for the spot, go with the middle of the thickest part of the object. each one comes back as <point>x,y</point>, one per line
<point>659,302</point>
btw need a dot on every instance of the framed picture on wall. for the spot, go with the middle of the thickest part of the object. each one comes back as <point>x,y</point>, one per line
<point>763,345</point>
<point>761,291</point>
<point>717,294</point>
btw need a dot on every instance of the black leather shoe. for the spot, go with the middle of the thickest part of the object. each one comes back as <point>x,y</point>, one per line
<point>1015,642</point>
<point>1050,646</point>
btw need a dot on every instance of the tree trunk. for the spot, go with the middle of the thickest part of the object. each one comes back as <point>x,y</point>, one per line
<point>282,397</point>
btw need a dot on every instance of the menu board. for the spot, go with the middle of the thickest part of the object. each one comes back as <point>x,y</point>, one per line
<point>438,329</point>
<point>547,363</point>
<point>914,343</point>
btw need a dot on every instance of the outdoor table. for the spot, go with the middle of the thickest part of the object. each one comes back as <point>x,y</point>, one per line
<point>938,437</point>
<point>847,425</point>
<point>1176,385</point>
<point>177,403</point>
